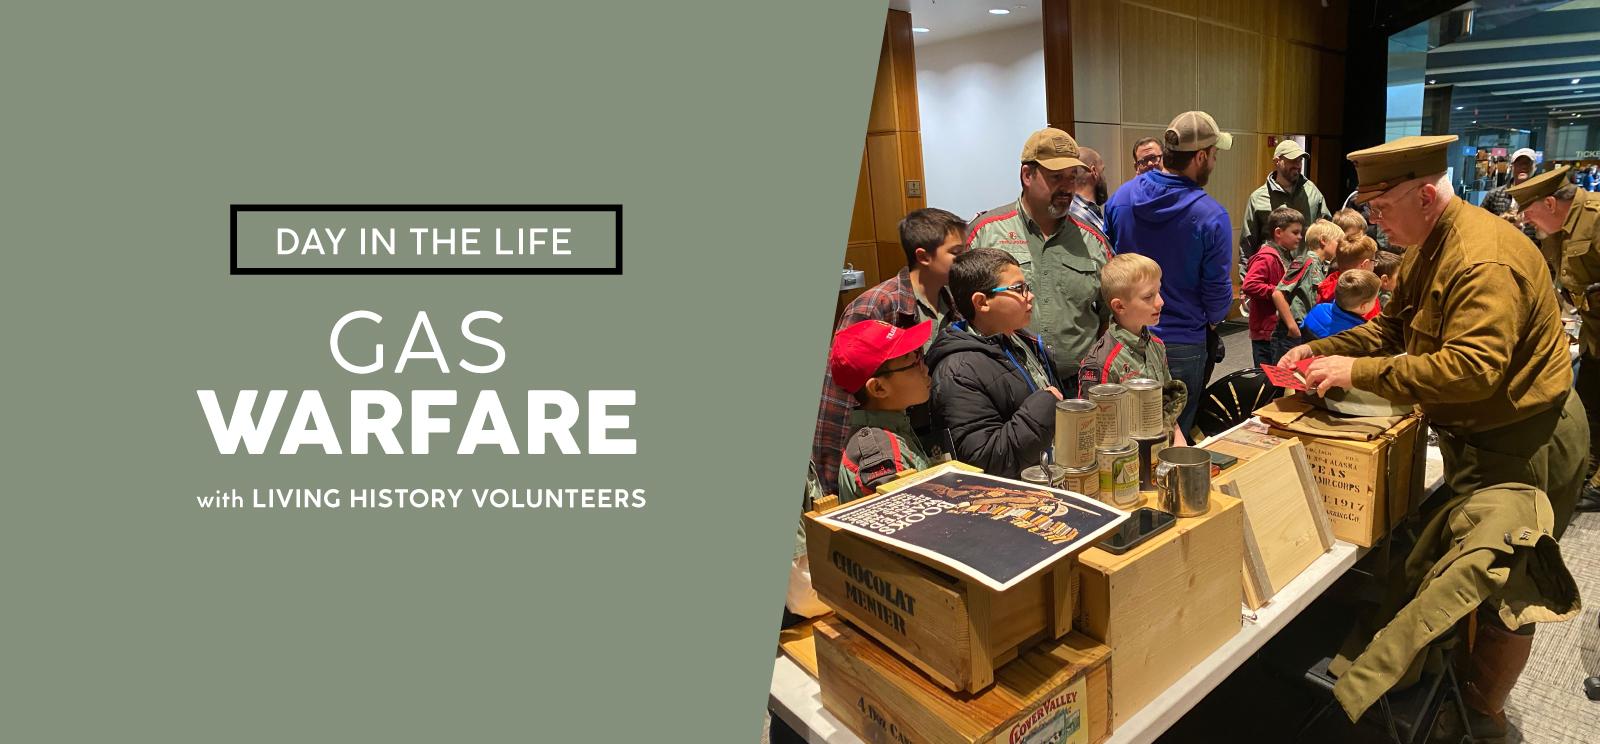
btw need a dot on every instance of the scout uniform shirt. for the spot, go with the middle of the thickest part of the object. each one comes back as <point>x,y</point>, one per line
<point>1474,313</point>
<point>881,446</point>
<point>1064,271</point>
<point>1299,285</point>
<point>1121,355</point>
<point>1575,253</point>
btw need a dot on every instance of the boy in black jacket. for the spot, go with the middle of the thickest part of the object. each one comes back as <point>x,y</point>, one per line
<point>994,388</point>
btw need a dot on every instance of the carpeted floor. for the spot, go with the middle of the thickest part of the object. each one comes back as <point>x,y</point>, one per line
<point>1548,704</point>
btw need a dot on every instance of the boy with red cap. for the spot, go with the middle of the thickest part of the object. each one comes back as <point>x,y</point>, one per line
<point>881,365</point>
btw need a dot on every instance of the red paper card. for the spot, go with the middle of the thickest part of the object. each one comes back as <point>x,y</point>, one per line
<point>1288,379</point>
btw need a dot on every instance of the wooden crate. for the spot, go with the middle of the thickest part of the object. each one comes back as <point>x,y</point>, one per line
<point>1165,605</point>
<point>798,644</point>
<point>1367,487</point>
<point>1285,525</point>
<point>1057,691</point>
<point>956,631</point>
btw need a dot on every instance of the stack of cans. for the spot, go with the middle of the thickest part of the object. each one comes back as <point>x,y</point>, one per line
<point>1149,429</point>
<point>1115,450</point>
<point>1076,435</point>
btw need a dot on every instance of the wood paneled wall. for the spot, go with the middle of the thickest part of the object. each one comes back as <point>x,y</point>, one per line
<point>892,156</point>
<point>1260,68</point>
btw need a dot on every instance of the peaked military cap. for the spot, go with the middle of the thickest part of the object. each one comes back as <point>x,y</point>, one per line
<point>1392,163</point>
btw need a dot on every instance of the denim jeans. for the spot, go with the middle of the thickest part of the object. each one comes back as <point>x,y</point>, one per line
<point>1263,351</point>
<point>1191,364</point>
<point>1283,342</point>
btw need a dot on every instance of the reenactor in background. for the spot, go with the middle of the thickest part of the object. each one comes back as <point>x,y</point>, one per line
<point>1486,359</point>
<point>1569,217</point>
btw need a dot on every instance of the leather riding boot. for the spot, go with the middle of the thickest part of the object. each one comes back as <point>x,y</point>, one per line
<point>1488,673</point>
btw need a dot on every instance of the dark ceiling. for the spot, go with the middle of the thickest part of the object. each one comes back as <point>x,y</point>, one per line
<point>1517,66</point>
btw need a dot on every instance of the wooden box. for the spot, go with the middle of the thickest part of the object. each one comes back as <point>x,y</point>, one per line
<point>956,631</point>
<point>1165,605</point>
<point>1367,487</point>
<point>1285,525</point>
<point>1058,691</point>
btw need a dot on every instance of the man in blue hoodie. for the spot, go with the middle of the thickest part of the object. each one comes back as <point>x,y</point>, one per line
<point>1167,215</point>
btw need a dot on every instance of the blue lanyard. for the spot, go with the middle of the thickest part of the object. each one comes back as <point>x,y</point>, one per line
<point>1021,369</point>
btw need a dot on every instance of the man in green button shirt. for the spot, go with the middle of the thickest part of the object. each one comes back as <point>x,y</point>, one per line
<point>1060,256</point>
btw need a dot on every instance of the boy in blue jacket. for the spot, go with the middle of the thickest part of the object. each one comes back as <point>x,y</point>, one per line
<point>994,385</point>
<point>1353,298</point>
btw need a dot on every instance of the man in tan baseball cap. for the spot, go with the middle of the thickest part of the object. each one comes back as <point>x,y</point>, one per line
<point>1195,138</point>
<point>1060,255</point>
<point>1167,216</point>
<point>1285,186</point>
<point>1473,337</point>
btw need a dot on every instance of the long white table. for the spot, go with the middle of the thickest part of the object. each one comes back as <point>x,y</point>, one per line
<point>796,697</point>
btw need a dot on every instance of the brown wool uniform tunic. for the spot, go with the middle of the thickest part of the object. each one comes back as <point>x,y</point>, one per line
<point>1574,253</point>
<point>1486,359</point>
<point>1480,327</point>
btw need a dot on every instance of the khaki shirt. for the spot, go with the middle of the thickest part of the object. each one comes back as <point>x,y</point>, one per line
<point>1574,254</point>
<point>1480,328</point>
<point>1064,270</point>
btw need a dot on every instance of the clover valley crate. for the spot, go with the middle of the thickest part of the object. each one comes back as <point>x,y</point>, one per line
<point>1058,692</point>
<point>955,630</point>
<point>1367,486</point>
<point>1164,606</point>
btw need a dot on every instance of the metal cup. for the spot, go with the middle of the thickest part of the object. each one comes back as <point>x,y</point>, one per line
<point>1049,476</point>
<point>1183,481</point>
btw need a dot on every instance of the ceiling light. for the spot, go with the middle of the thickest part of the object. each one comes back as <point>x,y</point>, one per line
<point>1577,91</point>
<point>1458,108</point>
<point>1574,80</point>
<point>918,30</point>
<point>1003,11</point>
<point>1431,82</point>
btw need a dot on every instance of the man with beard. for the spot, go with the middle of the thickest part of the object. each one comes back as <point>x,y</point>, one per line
<point>1167,215</point>
<point>1089,196</point>
<point>1060,255</point>
<point>1285,186</point>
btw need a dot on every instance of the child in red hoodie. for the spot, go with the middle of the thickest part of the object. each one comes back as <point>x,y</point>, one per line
<point>1261,278</point>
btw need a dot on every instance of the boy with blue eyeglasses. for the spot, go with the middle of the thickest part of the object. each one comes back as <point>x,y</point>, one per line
<point>994,386</point>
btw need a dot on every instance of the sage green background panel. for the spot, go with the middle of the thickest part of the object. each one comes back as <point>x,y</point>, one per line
<point>450,239</point>
<point>731,133</point>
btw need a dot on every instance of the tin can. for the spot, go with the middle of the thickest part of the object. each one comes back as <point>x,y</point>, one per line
<point>1038,476</point>
<point>1148,419</point>
<point>1084,480</point>
<point>1111,414</point>
<point>1075,433</point>
<point>1119,474</point>
<point>1149,448</point>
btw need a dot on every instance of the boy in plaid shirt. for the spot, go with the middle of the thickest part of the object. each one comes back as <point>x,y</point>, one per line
<point>931,239</point>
